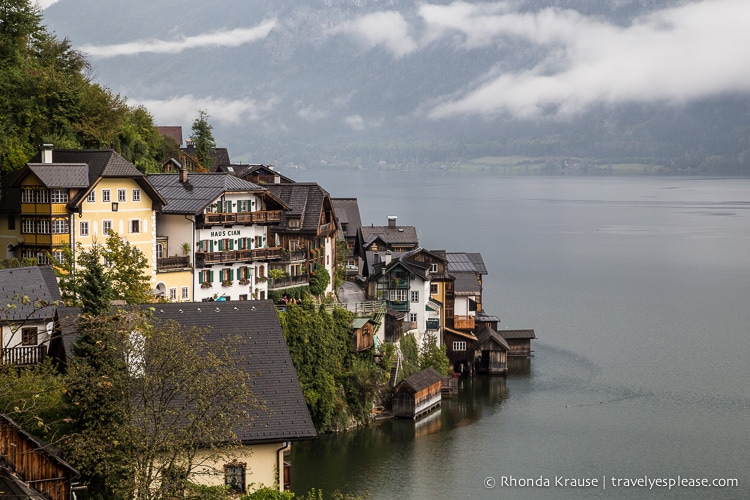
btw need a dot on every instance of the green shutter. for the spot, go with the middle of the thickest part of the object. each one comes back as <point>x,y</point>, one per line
<point>200,277</point>
<point>221,245</point>
<point>211,245</point>
<point>211,276</point>
<point>231,244</point>
<point>231,275</point>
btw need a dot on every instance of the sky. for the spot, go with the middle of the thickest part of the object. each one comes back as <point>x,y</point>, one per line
<point>671,55</point>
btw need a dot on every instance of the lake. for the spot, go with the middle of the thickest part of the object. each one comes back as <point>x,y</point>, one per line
<point>638,289</point>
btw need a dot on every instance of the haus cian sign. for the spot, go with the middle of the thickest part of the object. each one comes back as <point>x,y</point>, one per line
<point>226,232</point>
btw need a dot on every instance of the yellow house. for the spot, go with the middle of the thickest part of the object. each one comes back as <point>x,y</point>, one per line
<point>77,196</point>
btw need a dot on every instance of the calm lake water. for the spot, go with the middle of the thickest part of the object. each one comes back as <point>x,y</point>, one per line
<point>638,289</point>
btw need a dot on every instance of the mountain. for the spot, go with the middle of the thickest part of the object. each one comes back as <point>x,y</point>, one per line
<point>364,81</point>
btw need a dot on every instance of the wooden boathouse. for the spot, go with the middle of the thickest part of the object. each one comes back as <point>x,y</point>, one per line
<point>418,394</point>
<point>491,352</point>
<point>519,341</point>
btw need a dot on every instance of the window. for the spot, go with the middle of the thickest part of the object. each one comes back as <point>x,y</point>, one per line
<point>106,196</point>
<point>60,226</point>
<point>160,250</point>
<point>172,294</point>
<point>59,256</point>
<point>415,296</point>
<point>42,258</point>
<point>234,476</point>
<point>136,195</point>
<point>29,336</point>
<point>27,196</point>
<point>459,345</point>
<point>185,293</point>
<point>27,226</point>
<point>135,226</point>
<point>433,268</point>
<point>413,317</point>
<point>293,223</point>
<point>83,228</point>
<point>42,196</point>
<point>243,297</point>
<point>91,197</point>
<point>433,289</point>
<point>106,226</point>
<point>11,222</point>
<point>120,195</point>
<point>42,226</point>
<point>59,196</point>
<point>398,295</point>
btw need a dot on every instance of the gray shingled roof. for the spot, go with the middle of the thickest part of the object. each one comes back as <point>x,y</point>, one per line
<point>65,175</point>
<point>264,354</point>
<point>517,334</point>
<point>347,211</point>
<point>38,283</point>
<point>101,162</point>
<point>423,379</point>
<point>306,200</point>
<point>199,191</point>
<point>390,235</point>
<point>466,284</point>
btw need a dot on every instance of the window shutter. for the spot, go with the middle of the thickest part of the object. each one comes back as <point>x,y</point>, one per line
<point>211,276</point>
<point>221,245</point>
<point>200,278</point>
<point>231,244</point>
<point>231,275</point>
<point>211,245</point>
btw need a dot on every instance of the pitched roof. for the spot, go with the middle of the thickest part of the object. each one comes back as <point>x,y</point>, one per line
<point>462,262</point>
<point>347,212</point>
<point>263,353</point>
<point>38,283</point>
<point>171,131</point>
<point>488,335</point>
<point>201,189</point>
<point>244,171</point>
<point>61,175</point>
<point>390,235</point>
<point>306,201</point>
<point>466,284</point>
<point>517,334</point>
<point>423,379</point>
<point>101,162</point>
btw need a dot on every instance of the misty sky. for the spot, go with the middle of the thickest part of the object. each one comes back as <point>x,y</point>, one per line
<point>674,55</point>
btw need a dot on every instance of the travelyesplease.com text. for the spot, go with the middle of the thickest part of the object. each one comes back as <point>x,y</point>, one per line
<point>613,481</point>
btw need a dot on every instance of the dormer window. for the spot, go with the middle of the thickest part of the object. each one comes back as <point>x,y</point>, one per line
<point>294,223</point>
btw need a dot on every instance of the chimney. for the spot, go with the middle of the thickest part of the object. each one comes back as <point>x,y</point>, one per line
<point>183,175</point>
<point>47,153</point>
<point>392,220</point>
<point>387,259</point>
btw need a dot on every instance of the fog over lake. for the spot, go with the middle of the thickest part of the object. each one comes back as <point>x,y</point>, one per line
<point>637,289</point>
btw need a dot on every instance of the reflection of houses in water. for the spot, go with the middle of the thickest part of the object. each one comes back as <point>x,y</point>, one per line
<point>430,423</point>
<point>474,394</point>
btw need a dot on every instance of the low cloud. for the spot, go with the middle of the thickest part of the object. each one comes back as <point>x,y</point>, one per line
<point>184,109</point>
<point>43,4</point>
<point>381,29</point>
<point>226,38</point>
<point>355,122</point>
<point>673,55</point>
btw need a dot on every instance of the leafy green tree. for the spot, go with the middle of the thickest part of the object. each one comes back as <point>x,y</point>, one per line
<point>319,280</point>
<point>146,396</point>
<point>434,355</point>
<point>203,139</point>
<point>409,355</point>
<point>126,269</point>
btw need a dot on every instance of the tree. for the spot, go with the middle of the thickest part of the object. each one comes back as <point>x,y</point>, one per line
<point>203,139</point>
<point>433,355</point>
<point>92,285</point>
<point>409,355</point>
<point>146,397</point>
<point>319,280</point>
<point>126,266</point>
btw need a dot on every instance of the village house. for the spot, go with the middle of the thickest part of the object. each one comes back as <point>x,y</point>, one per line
<point>363,336</point>
<point>349,222</point>
<point>255,173</point>
<point>381,238</point>
<point>64,198</point>
<point>262,458</point>
<point>306,233</point>
<point>519,342</point>
<point>212,239</point>
<point>403,282</point>
<point>28,302</point>
<point>31,468</point>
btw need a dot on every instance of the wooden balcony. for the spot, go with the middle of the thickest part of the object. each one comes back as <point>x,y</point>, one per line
<point>229,218</point>
<point>461,322</point>
<point>259,254</point>
<point>24,355</point>
<point>288,281</point>
<point>171,263</point>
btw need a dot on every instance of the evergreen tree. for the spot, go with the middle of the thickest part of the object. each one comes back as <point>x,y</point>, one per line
<point>94,287</point>
<point>203,139</point>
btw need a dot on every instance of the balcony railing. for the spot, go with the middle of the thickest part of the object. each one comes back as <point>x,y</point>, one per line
<point>293,255</point>
<point>27,355</point>
<point>204,258</point>
<point>227,218</point>
<point>398,305</point>
<point>463,322</point>
<point>287,281</point>
<point>168,263</point>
